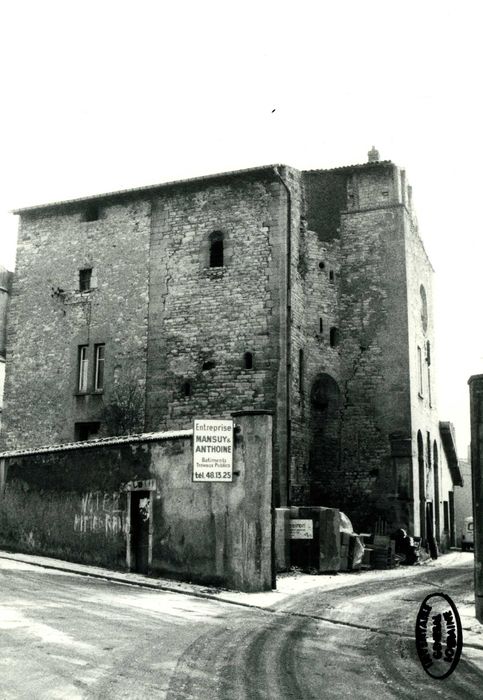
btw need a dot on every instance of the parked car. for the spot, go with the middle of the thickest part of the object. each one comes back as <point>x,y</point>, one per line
<point>467,536</point>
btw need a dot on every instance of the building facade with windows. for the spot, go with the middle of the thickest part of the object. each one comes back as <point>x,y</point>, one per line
<point>307,294</point>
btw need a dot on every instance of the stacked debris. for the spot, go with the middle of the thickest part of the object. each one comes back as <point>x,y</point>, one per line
<point>384,552</point>
<point>351,546</point>
<point>407,549</point>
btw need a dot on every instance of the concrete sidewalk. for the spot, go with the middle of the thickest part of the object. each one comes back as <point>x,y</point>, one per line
<point>290,586</point>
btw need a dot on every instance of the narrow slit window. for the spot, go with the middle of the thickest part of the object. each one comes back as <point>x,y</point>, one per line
<point>99,378</point>
<point>216,249</point>
<point>301,372</point>
<point>331,276</point>
<point>83,368</point>
<point>334,337</point>
<point>321,325</point>
<point>187,389</point>
<point>248,359</point>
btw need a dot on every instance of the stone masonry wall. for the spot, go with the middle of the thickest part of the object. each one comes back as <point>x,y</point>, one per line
<point>182,328</point>
<point>421,364</point>
<point>364,299</point>
<point>316,306</point>
<point>76,504</point>
<point>50,318</point>
<point>202,319</point>
<point>374,362</point>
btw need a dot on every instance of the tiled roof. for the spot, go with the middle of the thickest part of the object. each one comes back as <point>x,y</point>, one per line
<point>98,442</point>
<point>203,178</point>
<point>355,166</point>
<point>447,433</point>
<point>149,188</point>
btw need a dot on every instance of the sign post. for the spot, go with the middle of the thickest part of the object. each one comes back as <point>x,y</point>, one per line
<point>212,450</point>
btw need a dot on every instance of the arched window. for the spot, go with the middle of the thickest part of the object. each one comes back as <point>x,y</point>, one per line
<point>216,249</point>
<point>248,360</point>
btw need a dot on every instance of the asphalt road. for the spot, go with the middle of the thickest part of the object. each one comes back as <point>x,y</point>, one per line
<point>66,636</point>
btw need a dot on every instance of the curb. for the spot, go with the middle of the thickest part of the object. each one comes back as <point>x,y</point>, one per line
<point>116,579</point>
<point>165,587</point>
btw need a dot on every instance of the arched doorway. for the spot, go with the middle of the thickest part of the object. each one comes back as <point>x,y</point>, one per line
<point>324,458</point>
<point>422,487</point>
<point>436,491</point>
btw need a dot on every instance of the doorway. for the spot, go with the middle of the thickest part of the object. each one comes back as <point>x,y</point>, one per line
<point>452,538</point>
<point>140,531</point>
<point>433,550</point>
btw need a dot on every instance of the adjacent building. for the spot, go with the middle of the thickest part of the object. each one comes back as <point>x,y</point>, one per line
<point>5,282</point>
<point>463,498</point>
<point>304,293</point>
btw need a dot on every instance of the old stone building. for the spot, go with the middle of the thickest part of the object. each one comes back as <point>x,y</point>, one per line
<point>5,283</point>
<point>306,294</point>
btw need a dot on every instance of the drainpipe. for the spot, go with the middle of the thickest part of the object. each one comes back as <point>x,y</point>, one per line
<point>288,328</point>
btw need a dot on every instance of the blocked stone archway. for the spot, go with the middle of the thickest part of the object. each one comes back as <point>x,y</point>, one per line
<point>324,462</point>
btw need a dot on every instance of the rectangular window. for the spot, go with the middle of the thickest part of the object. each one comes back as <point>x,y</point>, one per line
<point>99,378</point>
<point>85,279</point>
<point>83,367</point>
<point>420,371</point>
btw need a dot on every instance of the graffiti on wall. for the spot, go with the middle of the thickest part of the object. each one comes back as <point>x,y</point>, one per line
<point>100,512</point>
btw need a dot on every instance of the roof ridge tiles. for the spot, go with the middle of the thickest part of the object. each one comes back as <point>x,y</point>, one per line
<point>98,442</point>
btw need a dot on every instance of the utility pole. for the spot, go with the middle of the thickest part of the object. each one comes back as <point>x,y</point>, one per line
<point>476,409</point>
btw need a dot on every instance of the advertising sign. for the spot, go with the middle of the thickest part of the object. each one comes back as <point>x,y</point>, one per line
<point>212,450</point>
<point>301,529</point>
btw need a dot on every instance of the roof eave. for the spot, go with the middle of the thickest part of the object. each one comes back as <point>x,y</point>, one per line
<point>262,169</point>
<point>447,433</point>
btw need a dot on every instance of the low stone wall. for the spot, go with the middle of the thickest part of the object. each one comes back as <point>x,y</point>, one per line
<point>72,502</point>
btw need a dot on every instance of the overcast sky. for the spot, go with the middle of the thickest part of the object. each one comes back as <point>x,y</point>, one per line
<point>104,95</point>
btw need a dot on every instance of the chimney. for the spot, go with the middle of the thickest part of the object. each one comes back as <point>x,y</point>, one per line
<point>373,155</point>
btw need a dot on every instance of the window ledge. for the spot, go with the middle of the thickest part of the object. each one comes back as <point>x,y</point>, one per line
<point>84,292</point>
<point>215,272</point>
